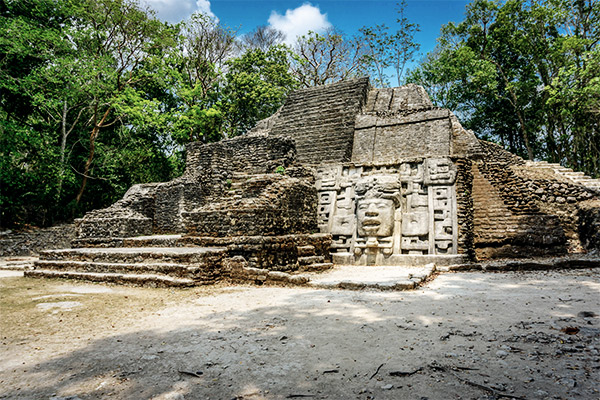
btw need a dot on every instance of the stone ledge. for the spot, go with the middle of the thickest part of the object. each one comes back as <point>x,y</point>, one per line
<point>546,263</point>
<point>351,277</point>
<point>406,259</point>
<point>529,264</point>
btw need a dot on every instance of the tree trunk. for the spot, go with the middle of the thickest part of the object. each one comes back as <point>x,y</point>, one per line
<point>514,103</point>
<point>88,163</point>
<point>63,146</point>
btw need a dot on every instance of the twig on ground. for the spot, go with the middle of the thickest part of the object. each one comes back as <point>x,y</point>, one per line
<point>376,372</point>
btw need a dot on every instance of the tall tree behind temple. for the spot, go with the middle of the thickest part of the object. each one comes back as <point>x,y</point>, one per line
<point>77,97</point>
<point>198,66</point>
<point>385,50</point>
<point>263,38</point>
<point>524,74</point>
<point>255,86</point>
<point>326,58</point>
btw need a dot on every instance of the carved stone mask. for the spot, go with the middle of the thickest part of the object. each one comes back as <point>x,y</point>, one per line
<point>375,217</point>
<point>377,199</point>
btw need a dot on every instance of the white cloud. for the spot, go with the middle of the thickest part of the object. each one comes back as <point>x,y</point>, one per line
<point>177,10</point>
<point>298,21</point>
<point>204,7</point>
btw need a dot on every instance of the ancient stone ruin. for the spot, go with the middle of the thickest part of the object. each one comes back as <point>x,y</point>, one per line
<point>341,174</point>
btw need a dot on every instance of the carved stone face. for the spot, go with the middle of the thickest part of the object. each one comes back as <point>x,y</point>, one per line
<point>375,217</point>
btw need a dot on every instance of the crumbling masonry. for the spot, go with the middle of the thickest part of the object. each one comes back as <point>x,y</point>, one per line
<point>341,174</point>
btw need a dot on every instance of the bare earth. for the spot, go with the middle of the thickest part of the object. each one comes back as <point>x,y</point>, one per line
<point>470,335</point>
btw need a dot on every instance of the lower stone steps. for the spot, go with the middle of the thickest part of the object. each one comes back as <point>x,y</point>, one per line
<point>306,250</point>
<point>178,255</point>
<point>148,280</point>
<point>308,260</point>
<point>576,176</point>
<point>174,270</point>
<point>150,266</point>
<point>317,267</point>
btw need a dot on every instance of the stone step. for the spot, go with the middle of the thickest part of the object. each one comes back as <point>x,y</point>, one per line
<point>261,275</point>
<point>307,260</point>
<point>17,263</point>
<point>576,176</point>
<point>173,270</point>
<point>148,280</point>
<point>137,241</point>
<point>177,255</point>
<point>306,250</point>
<point>152,241</point>
<point>317,267</point>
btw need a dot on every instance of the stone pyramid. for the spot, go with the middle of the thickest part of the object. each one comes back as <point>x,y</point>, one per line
<point>342,174</point>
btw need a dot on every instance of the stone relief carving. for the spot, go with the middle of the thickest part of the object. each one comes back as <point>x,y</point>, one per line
<point>377,214</point>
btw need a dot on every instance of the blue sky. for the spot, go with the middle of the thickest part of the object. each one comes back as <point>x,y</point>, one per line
<point>297,17</point>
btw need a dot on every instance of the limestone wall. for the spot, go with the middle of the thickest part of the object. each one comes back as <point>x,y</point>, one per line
<point>391,138</point>
<point>288,253</point>
<point>247,154</point>
<point>321,121</point>
<point>266,204</point>
<point>229,188</point>
<point>588,214</point>
<point>464,207</point>
<point>30,242</point>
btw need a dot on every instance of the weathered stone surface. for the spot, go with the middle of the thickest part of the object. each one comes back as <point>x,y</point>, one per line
<point>390,139</point>
<point>30,242</point>
<point>321,120</point>
<point>379,214</point>
<point>589,224</point>
<point>284,253</point>
<point>268,204</point>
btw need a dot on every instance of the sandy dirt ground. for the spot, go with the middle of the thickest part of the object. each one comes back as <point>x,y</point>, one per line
<point>530,335</point>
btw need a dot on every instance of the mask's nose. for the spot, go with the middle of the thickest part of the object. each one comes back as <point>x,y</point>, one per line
<point>372,211</point>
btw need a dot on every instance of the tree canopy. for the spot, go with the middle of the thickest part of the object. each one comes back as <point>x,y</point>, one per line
<point>524,74</point>
<point>97,95</point>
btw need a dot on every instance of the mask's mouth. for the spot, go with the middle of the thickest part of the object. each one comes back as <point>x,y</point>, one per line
<point>371,222</point>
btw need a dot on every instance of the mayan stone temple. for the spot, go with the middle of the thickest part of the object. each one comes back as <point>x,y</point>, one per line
<point>341,175</point>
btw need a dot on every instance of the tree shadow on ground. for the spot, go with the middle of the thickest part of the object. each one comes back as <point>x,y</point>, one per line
<point>501,331</point>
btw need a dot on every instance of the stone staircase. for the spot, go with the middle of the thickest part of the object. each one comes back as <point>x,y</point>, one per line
<point>502,230</point>
<point>492,218</point>
<point>155,266</point>
<point>142,266</point>
<point>17,263</point>
<point>309,261</point>
<point>579,178</point>
<point>183,261</point>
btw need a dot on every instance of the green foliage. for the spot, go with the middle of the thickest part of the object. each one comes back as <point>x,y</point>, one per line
<point>77,105</point>
<point>256,85</point>
<point>98,95</point>
<point>385,49</point>
<point>524,74</point>
<point>280,170</point>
